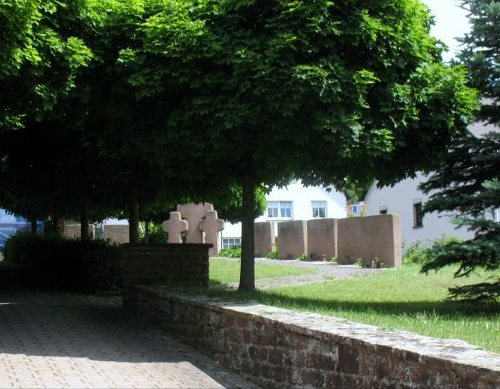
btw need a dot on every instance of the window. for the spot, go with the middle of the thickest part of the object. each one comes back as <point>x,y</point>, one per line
<point>418,215</point>
<point>319,209</point>
<point>383,210</point>
<point>286,209</point>
<point>279,209</point>
<point>272,208</point>
<point>356,209</point>
<point>228,243</point>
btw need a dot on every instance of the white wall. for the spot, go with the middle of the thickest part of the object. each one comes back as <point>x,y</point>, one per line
<point>301,198</point>
<point>399,199</point>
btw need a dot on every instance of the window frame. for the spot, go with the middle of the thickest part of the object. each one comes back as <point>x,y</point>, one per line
<point>228,245</point>
<point>319,205</point>
<point>280,210</point>
<point>418,214</point>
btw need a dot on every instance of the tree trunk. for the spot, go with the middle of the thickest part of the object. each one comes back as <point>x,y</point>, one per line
<point>247,274</point>
<point>34,225</point>
<point>57,223</point>
<point>84,222</point>
<point>146,231</point>
<point>133,221</point>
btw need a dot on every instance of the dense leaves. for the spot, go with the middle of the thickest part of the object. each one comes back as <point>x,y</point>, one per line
<point>40,56</point>
<point>482,54</point>
<point>319,90</point>
<point>213,99</point>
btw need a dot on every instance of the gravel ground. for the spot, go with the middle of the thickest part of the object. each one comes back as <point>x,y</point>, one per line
<point>323,271</point>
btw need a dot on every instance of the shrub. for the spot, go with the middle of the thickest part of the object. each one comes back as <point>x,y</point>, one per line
<point>232,252</point>
<point>415,253</point>
<point>83,266</point>
<point>273,254</point>
<point>155,234</point>
<point>303,257</point>
<point>421,253</point>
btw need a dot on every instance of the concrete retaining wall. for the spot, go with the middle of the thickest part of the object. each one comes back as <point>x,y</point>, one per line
<point>264,238</point>
<point>369,237</point>
<point>279,348</point>
<point>118,234</point>
<point>292,239</point>
<point>322,239</point>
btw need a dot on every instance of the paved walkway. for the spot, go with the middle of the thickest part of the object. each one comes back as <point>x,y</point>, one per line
<point>73,341</point>
<point>323,271</point>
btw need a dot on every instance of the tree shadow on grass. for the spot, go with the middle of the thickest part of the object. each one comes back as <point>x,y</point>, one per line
<point>445,309</point>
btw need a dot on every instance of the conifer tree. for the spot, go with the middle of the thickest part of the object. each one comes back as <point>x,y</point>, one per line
<point>469,182</point>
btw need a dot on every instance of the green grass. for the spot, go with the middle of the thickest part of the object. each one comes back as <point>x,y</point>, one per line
<point>394,299</point>
<point>227,272</point>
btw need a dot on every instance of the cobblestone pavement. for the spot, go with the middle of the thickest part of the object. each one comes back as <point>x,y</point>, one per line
<point>323,271</point>
<point>52,340</point>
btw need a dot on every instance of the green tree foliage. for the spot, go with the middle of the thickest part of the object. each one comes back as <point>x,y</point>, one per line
<point>321,90</point>
<point>39,56</point>
<point>469,184</point>
<point>199,99</point>
<point>482,54</point>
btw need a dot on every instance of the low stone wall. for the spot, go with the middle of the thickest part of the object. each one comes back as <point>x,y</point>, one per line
<point>279,348</point>
<point>322,239</point>
<point>369,237</point>
<point>264,238</point>
<point>292,239</point>
<point>164,264</point>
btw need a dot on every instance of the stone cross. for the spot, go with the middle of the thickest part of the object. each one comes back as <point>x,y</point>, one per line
<point>174,227</point>
<point>194,213</point>
<point>211,225</point>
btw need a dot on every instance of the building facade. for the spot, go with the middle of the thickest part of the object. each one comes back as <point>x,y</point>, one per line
<point>293,202</point>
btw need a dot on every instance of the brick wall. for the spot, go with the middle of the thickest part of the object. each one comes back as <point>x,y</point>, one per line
<point>283,349</point>
<point>164,264</point>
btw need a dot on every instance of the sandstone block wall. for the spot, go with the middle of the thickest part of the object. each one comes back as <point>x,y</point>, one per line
<point>264,238</point>
<point>164,264</point>
<point>292,239</point>
<point>278,348</point>
<point>370,236</point>
<point>72,231</point>
<point>322,238</point>
<point>117,234</point>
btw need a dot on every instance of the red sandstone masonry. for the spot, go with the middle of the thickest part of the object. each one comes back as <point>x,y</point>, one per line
<point>281,349</point>
<point>166,264</point>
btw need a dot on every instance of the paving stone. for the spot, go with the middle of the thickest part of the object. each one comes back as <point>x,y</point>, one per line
<point>55,340</point>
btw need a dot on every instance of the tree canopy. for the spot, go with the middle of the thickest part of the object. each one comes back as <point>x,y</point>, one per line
<point>208,99</point>
<point>40,56</point>
<point>320,90</point>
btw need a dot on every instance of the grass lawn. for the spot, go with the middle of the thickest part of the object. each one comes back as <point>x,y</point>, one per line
<point>227,272</point>
<point>395,299</point>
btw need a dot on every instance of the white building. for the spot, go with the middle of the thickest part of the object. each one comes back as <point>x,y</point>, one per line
<point>405,199</point>
<point>293,202</point>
